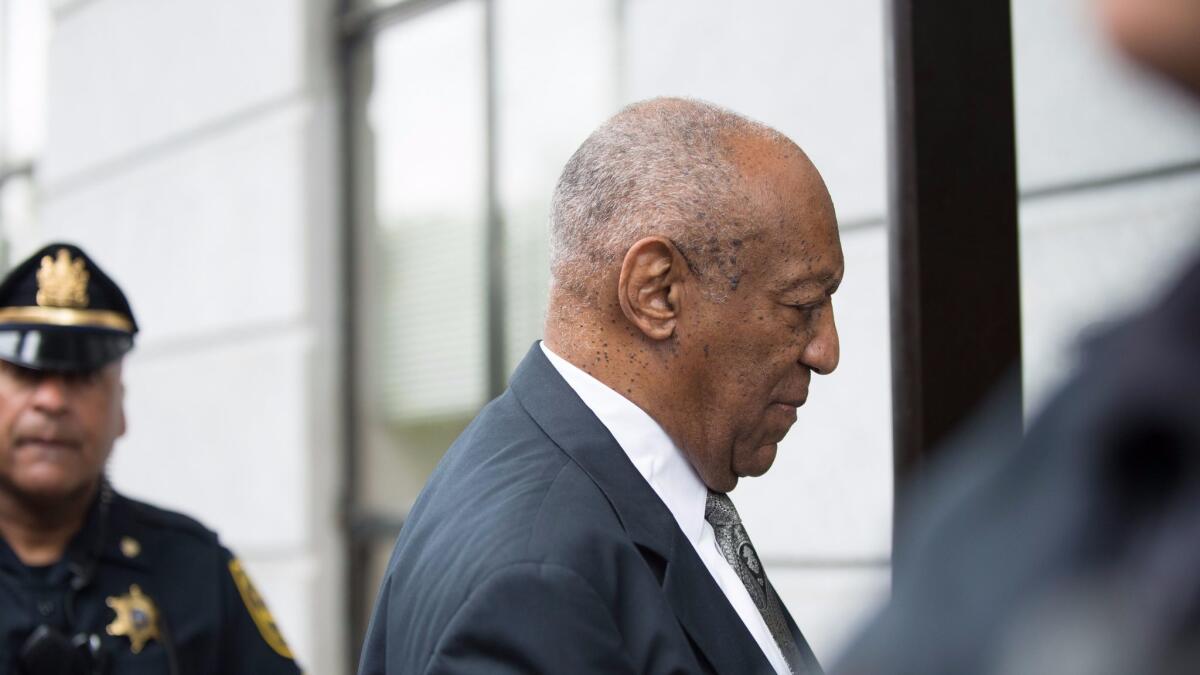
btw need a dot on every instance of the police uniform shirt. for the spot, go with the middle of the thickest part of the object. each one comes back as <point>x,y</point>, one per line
<point>157,589</point>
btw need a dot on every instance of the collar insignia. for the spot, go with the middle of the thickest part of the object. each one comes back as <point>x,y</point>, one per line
<point>137,618</point>
<point>130,547</point>
<point>62,282</point>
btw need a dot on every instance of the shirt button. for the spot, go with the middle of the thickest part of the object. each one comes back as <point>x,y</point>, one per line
<point>46,607</point>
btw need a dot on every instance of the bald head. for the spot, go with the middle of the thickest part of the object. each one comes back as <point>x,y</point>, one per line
<point>666,166</point>
<point>695,256</point>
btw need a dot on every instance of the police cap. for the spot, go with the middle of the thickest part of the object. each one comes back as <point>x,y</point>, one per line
<point>60,312</point>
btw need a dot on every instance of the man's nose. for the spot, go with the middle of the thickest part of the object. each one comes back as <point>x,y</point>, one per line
<point>821,354</point>
<point>50,394</point>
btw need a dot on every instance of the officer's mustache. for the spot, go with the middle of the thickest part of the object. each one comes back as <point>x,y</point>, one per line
<point>48,433</point>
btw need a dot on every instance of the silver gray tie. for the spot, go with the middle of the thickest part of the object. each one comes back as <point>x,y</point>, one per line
<point>736,547</point>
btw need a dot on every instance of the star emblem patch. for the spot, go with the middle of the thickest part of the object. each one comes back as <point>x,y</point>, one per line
<point>137,618</point>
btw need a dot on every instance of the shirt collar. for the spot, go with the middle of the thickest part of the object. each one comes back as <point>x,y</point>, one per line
<point>657,459</point>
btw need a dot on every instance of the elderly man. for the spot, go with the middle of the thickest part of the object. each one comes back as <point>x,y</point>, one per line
<point>92,582</point>
<point>581,524</point>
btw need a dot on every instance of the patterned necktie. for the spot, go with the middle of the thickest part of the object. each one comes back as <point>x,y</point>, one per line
<point>739,552</point>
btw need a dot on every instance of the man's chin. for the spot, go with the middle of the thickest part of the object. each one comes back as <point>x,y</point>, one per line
<point>47,488</point>
<point>722,484</point>
<point>758,462</point>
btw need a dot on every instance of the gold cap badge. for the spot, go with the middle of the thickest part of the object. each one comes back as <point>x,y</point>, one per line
<point>62,282</point>
<point>137,618</point>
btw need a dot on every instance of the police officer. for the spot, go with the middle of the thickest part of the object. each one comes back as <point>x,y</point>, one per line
<point>91,581</point>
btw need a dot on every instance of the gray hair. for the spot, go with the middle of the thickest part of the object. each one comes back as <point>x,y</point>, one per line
<point>662,166</point>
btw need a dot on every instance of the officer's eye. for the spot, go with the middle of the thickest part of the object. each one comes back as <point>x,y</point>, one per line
<point>90,378</point>
<point>24,375</point>
<point>82,379</point>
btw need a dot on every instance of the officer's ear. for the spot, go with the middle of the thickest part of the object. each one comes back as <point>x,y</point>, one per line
<point>119,396</point>
<point>650,286</point>
<point>121,410</point>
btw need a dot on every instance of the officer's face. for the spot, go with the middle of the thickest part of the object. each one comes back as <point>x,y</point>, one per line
<point>57,430</point>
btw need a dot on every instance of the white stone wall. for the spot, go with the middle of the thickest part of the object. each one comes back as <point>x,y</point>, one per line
<point>1086,117</point>
<point>189,149</point>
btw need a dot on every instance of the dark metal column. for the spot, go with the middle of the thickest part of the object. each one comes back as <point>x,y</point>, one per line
<point>956,313</point>
<point>355,71</point>
<point>495,242</point>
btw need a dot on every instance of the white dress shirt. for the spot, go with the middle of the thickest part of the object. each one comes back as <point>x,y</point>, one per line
<point>676,483</point>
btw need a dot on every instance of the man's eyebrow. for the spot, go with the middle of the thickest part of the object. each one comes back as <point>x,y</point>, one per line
<point>829,282</point>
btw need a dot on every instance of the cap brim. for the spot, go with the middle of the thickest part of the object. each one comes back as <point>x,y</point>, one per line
<point>62,349</point>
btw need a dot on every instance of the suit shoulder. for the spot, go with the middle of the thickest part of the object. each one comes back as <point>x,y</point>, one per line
<point>490,506</point>
<point>508,492</point>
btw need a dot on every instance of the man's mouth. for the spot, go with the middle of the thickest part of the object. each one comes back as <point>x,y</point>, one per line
<point>792,402</point>
<point>47,443</point>
<point>787,408</point>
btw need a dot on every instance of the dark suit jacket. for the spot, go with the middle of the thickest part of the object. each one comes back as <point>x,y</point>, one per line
<point>537,547</point>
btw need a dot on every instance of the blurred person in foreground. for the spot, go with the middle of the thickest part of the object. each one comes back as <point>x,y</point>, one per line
<point>581,524</point>
<point>92,582</point>
<point>1079,552</point>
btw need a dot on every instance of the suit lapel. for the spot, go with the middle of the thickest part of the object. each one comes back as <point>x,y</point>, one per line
<point>708,617</point>
<point>697,601</point>
<point>806,653</point>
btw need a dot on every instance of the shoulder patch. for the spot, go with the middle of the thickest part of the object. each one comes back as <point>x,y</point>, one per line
<point>258,610</point>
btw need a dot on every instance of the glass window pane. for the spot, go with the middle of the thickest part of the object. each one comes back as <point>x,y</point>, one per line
<point>556,82</point>
<point>422,302</point>
<point>427,114</point>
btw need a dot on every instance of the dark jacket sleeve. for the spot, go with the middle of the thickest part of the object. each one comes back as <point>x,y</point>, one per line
<point>251,641</point>
<point>532,618</point>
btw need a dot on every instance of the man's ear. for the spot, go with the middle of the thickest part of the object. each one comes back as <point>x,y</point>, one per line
<point>650,286</point>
